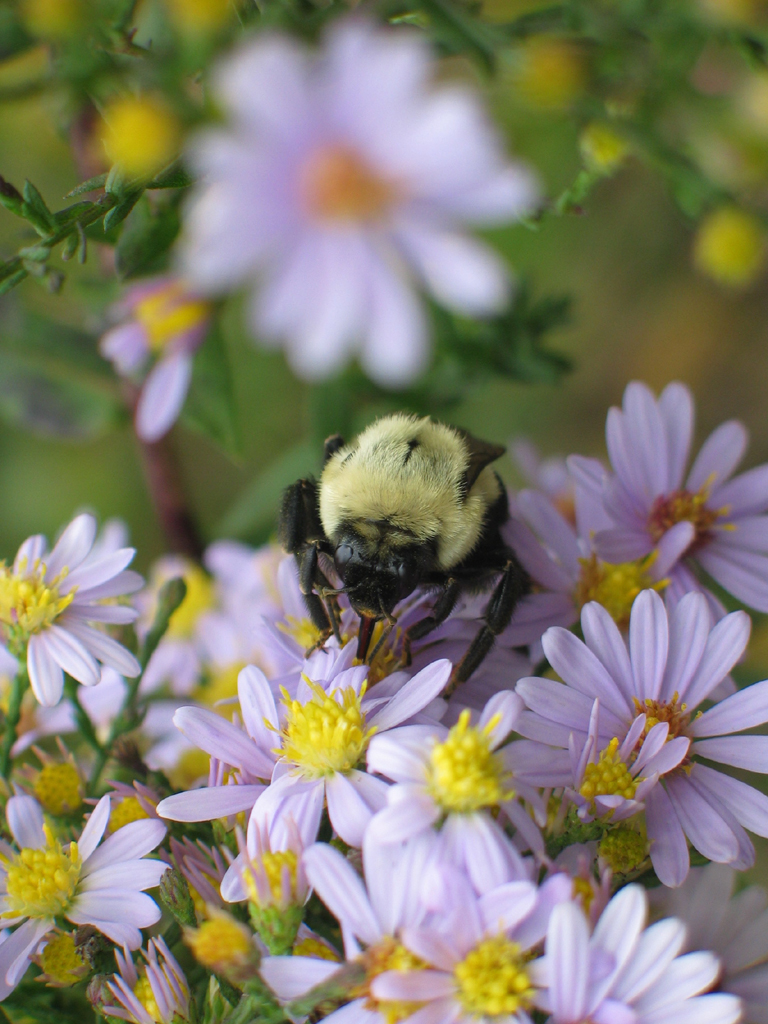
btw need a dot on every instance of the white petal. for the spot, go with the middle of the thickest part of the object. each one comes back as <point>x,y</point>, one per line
<point>25,820</point>
<point>134,840</point>
<point>73,545</point>
<point>67,650</point>
<point>103,647</point>
<point>209,803</point>
<point>292,976</point>
<point>163,396</point>
<point>340,888</point>
<point>414,696</point>
<point>568,958</point>
<point>94,828</point>
<point>45,675</point>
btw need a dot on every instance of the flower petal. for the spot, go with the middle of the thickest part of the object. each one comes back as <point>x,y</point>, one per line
<point>209,803</point>
<point>340,888</point>
<point>220,738</point>
<point>720,454</point>
<point>648,643</point>
<point>25,820</point>
<point>45,674</point>
<point>414,696</point>
<point>73,545</point>
<point>568,959</point>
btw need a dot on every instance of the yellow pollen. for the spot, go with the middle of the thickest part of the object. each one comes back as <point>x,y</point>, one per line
<point>615,587</point>
<point>310,946</point>
<point>276,868</point>
<point>29,603</point>
<point>41,883</point>
<point>325,735</point>
<point>685,507</point>
<point>609,777</point>
<point>386,660</point>
<point>58,788</point>
<point>143,992</point>
<point>200,597</point>
<point>126,811</point>
<point>388,955</point>
<point>220,944</point>
<point>492,979</point>
<point>623,850</point>
<point>464,774</point>
<point>168,313</point>
<point>61,962</point>
<point>303,631</point>
<point>672,711</point>
<point>337,184</point>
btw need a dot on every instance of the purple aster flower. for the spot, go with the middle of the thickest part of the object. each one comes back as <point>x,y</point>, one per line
<point>550,476</point>
<point>309,745</point>
<point>344,175</point>
<point>735,927</point>
<point>372,912</point>
<point>624,972</point>
<point>477,955</point>
<point>83,881</point>
<point>453,779</point>
<point>672,664</point>
<point>163,326</point>
<point>157,995</point>
<point>203,867</point>
<point>49,600</point>
<point>717,521</point>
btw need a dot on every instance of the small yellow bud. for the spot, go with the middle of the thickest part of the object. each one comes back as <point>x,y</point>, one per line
<point>223,945</point>
<point>141,135</point>
<point>602,149</point>
<point>58,788</point>
<point>61,962</point>
<point>551,74</point>
<point>730,247</point>
<point>199,16</point>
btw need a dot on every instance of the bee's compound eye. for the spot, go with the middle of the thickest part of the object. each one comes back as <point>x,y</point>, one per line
<point>343,554</point>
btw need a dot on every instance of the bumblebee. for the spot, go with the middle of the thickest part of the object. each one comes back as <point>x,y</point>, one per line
<point>409,503</point>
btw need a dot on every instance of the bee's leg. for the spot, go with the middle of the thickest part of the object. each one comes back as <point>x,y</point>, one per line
<point>513,585</point>
<point>306,559</point>
<point>441,610</point>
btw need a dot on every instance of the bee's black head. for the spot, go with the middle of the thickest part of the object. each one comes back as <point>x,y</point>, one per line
<point>374,585</point>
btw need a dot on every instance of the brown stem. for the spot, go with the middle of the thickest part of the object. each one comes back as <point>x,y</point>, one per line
<point>161,468</point>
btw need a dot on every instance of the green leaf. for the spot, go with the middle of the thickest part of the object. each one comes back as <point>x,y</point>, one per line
<point>146,238</point>
<point>254,513</point>
<point>10,197</point>
<point>87,186</point>
<point>34,210</point>
<point>120,212</point>
<point>40,398</point>
<point>210,405</point>
<point>174,176</point>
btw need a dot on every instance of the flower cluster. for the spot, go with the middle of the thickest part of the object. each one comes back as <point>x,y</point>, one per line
<point>355,841</point>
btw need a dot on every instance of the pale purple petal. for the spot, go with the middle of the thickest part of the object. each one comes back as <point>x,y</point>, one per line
<point>702,823</point>
<point>67,650</point>
<point>292,976</point>
<point>95,573</point>
<point>506,706</point>
<point>125,346</point>
<point>656,949</point>
<point>340,888</point>
<point>745,495</point>
<point>505,906</point>
<point>45,674</point>
<point>347,810</point>
<point>73,545</point>
<point>749,752</point>
<point>603,637</point>
<point>558,534</point>
<point>104,648</point>
<point>719,456</point>
<point>128,874</point>
<point>748,805</point>
<point>689,626</point>
<point>716,1008</point>
<point>575,663</point>
<point>672,547</point>
<point>94,828</point>
<point>744,710</point>
<point>725,645</point>
<point>677,412</point>
<point>25,820</point>
<point>412,986</point>
<point>136,839</point>
<point>163,395</point>
<point>257,706</point>
<point>16,950</point>
<point>648,643</point>
<point>621,924</point>
<point>222,739</point>
<point>568,959</point>
<point>396,346</point>
<point>411,810</point>
<point>743,573</point>
<point>209,803</point>
<point>401,755</point>
<point>560,704</point>
<point>688,976</point>
<point>414,696</point>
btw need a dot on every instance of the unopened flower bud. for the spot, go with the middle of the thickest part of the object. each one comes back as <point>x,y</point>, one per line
<point>176,897</point>
<point>730,247</point>
<point>224,946</point>
<point>602,149</point>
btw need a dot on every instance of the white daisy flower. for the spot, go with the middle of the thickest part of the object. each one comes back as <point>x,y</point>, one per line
<point>87,883</point>
<point>49,601</point>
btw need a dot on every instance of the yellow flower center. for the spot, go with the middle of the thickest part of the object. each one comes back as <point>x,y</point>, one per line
<point>325,735</point>
<point>29,603</point>
<point>551,72</point>
<point>337,184</point>
<point>166,314</point>
<point>126,811</point>
<point>41,883</point>
<point>615,587</point>
<point>684,507</point>
<point>730,247</point>
<point>61,961</point>
<point>623,849</point>
<point>310,946</point>
<point>608,777</point>
<point>672,711</point>
<point>388,955</point>
<point>492,979</point>
<point>464,773</point>
<point>220,944</point>
<point>58,788</point>
<point>303,631</point>
<point>602,149</point>
<point>143,992</point>
<point>199,598</point>
<point>274,868</point>
<point>141,135</point>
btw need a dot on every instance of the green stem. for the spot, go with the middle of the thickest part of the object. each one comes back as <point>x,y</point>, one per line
<point>18,688</point>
